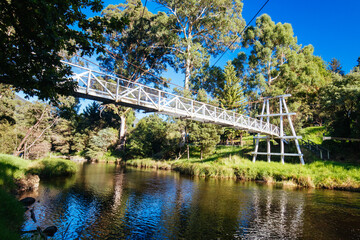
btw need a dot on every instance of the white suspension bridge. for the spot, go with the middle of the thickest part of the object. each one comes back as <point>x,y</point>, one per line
<point>107,88</point>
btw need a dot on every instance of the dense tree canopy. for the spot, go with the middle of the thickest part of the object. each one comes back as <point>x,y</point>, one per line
<point>32,34</point>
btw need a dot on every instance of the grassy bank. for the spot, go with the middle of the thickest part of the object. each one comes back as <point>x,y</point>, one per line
<point>230,162</point>
<point>14,168</point>
<point>11,168</point>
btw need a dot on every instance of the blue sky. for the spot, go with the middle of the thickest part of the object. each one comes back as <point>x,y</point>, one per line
<point>332,27</point>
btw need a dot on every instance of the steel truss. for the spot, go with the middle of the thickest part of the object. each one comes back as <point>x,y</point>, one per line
<point>107,88</point>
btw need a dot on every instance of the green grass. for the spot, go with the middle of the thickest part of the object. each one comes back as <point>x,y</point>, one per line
<point>314,134</point>
<point>233,162</point>
<point>47,168</point>
<point>11,168</point>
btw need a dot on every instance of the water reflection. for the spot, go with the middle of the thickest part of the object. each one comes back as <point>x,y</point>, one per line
<point>105,201</point>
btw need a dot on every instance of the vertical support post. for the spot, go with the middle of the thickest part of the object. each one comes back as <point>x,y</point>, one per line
<point>88,82</point>
<point>159,100</point>
<point>281,132</point>
<point>192,108</point>
<point>139,95</point>
<point>321,155</point>
<point>117,90</point>
<point>268,137</point>
<point>258,135</point>
<point>328,155</point>
<point>294,134</point>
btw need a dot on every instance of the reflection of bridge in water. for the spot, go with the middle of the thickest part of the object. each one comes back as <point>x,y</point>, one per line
<point>109,89</point>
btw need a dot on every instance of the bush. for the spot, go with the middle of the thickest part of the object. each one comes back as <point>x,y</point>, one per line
<point>53,168</point>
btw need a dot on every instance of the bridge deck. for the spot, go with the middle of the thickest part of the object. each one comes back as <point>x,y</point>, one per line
<point>107,88</point>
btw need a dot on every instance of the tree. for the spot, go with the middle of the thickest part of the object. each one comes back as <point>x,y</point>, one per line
<point>341,103</point>
<point>335,66</point>
<point>278,65</point>
<point>138,53</point>
<point>231,94</point>
<point>100,142</point>
<point>154,137</point>
<point>32,34</point>
<point>271,46</point>
<point>205,135</point>
<point>204,28</point>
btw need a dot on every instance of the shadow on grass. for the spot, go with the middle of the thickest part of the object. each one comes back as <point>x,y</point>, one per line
<point>8,173</point>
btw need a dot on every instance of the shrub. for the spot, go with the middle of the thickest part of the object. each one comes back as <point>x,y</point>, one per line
<point>53,168</point>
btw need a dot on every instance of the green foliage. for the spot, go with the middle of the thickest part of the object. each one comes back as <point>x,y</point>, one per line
<point>341,103</point>
<point>140,51</point>
<point>154,137</point>
<point>48,168</point>
<point>278,65</point>
<point>11,216</point>
<point>314,134</point>
<point>31,37</point>
<point>100,142</point>
<point>197,24</point>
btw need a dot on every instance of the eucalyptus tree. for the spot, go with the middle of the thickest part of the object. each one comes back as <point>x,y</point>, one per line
<point>278,65</point>
<point>204,28</point>
<point>271,44</point>
<point>137,52</point>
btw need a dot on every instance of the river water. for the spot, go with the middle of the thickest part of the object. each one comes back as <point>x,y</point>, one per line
<point>106,201</point>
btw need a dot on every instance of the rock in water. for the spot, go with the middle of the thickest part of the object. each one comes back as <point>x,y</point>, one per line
<point>28,183</point>
<point>27,201</point>
<point>50,231</point>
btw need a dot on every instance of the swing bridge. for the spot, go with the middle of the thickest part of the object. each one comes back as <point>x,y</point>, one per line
<point>99,86</point>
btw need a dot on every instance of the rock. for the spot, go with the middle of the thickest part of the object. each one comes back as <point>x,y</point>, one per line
<point>27,201</point>
<point>50,231</point>
<point>30,182</point>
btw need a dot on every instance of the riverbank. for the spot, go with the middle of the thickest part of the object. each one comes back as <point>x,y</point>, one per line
<point>228,163</point>
<point>12,171</point>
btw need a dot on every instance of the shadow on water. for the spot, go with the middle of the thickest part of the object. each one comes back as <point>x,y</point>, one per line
<point>106,201</point>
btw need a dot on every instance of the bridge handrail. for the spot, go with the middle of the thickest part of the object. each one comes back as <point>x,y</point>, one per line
<point>195,106</point>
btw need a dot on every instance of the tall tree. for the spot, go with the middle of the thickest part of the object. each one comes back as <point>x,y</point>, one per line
<point>271,44</point>
<point>32,34</point>
<point>278,65</point>
<point>335,66</point>
<point>231,94</point>
<point>204,28</point>
<point>139,52</point>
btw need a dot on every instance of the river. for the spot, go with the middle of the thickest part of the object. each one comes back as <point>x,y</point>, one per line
<point>106,201</point>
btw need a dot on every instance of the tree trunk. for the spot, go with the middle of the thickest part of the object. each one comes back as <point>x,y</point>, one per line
<point>122,133</point>
<point>187,67</point>
<point>188,152</point>
<point>241,142</point>
<point>201,153</point>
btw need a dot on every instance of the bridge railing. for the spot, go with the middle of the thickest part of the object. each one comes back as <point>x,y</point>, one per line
<point>108,87</point>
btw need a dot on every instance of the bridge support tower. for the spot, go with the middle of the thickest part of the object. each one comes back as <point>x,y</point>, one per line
<point>283,112</point>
